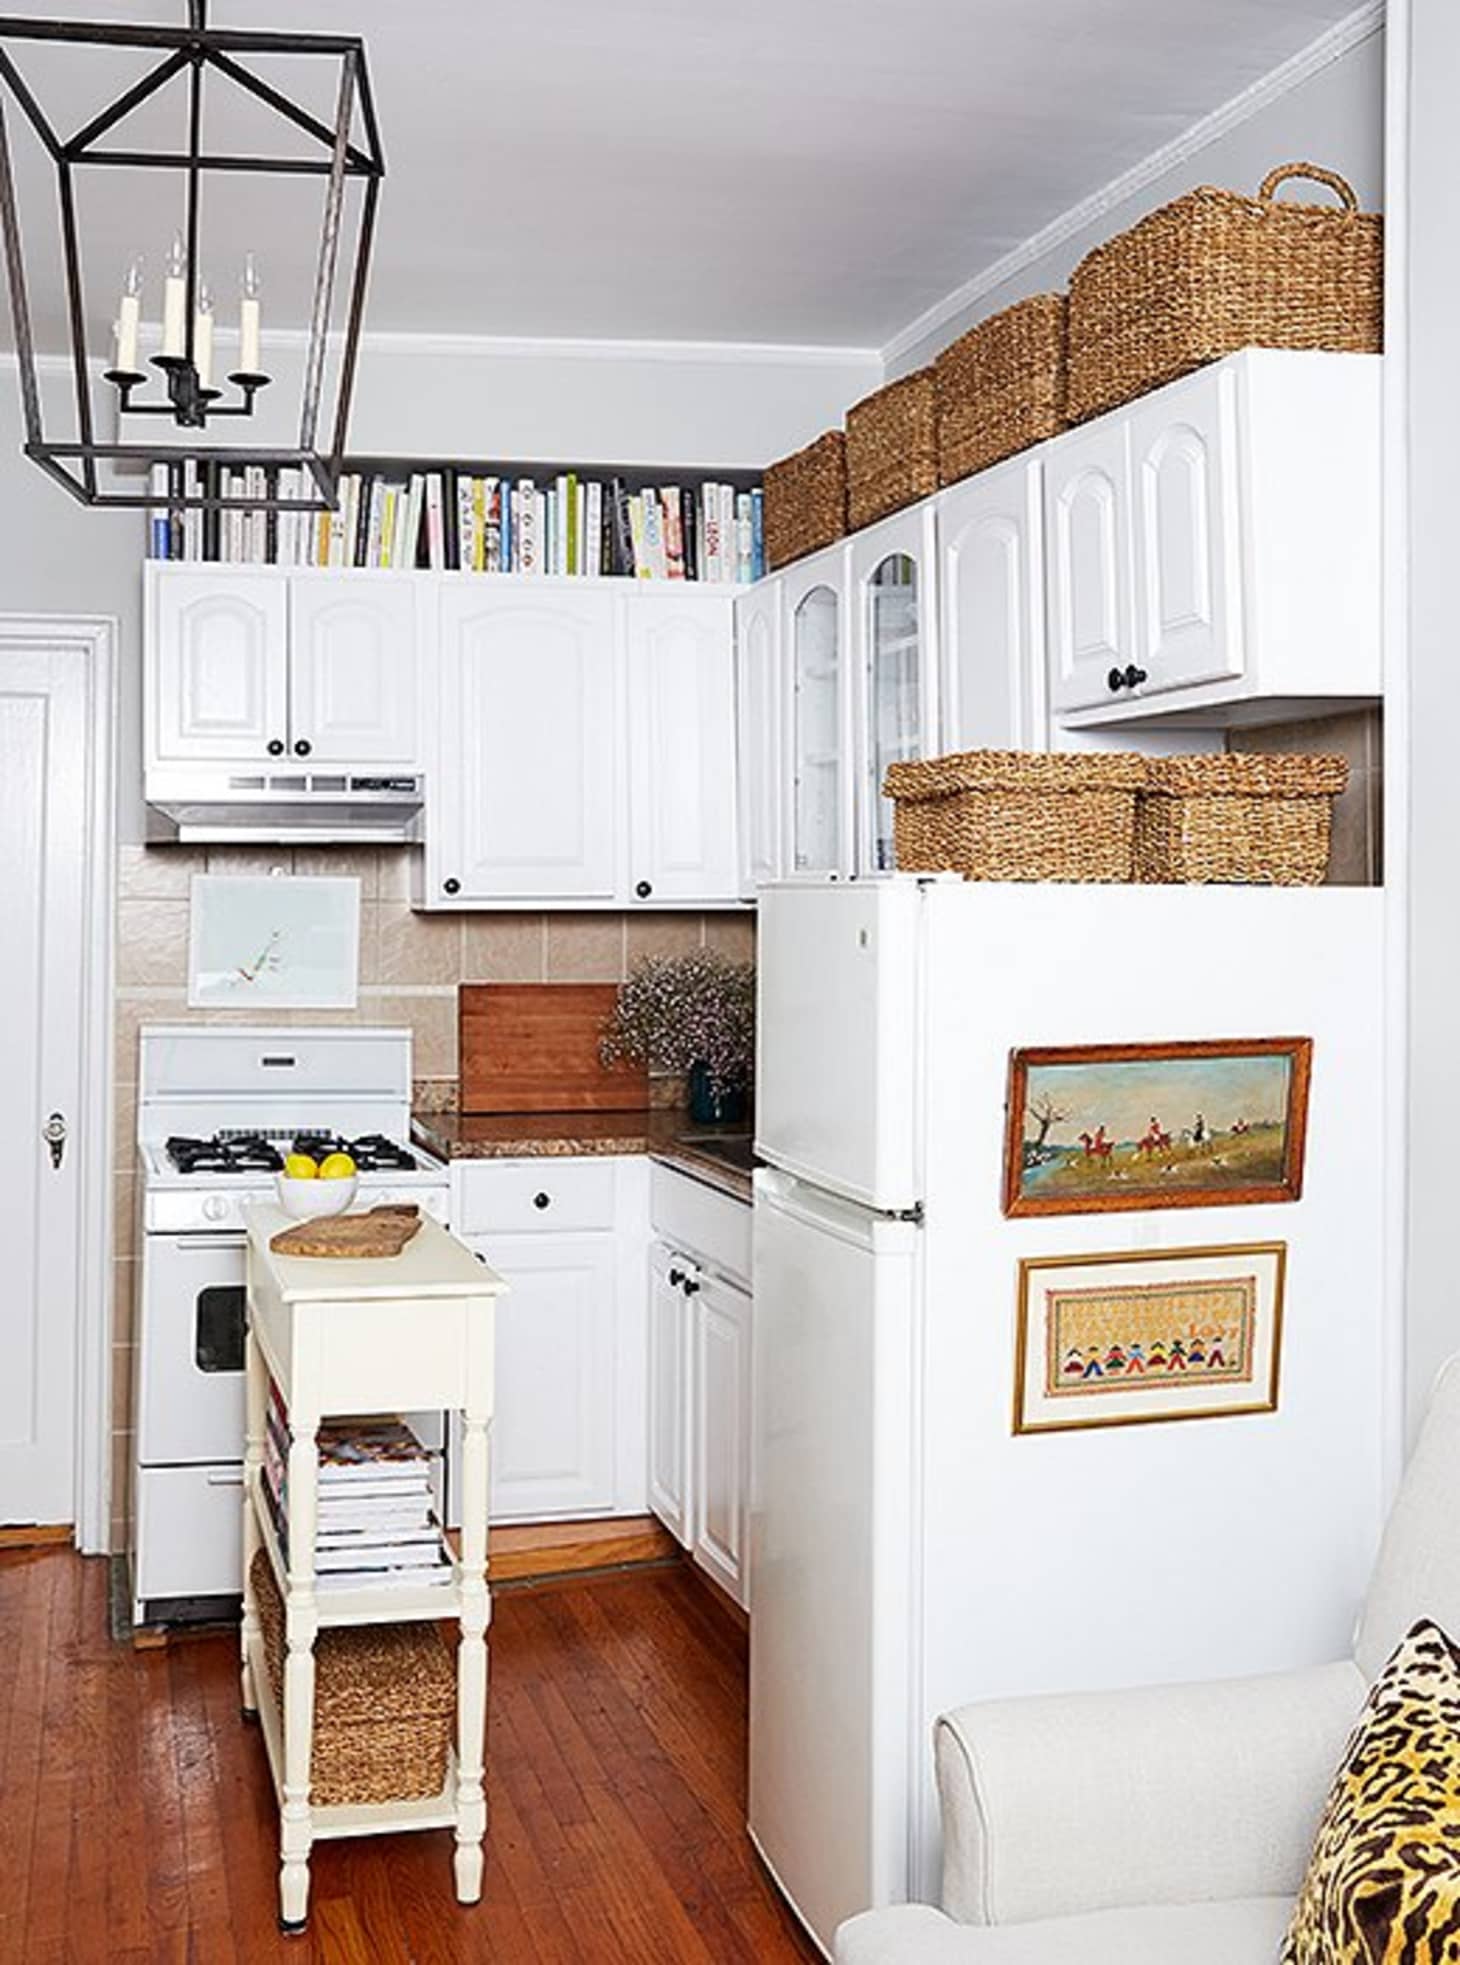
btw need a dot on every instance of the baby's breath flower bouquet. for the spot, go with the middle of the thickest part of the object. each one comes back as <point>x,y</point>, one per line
<point>679,1012</point>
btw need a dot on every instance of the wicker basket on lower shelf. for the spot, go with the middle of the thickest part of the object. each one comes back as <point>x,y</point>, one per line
<point>1257,819</point>
<point>384,1704</point>
<point>1018,815</point>
<point>1001,387</point>
<point>892,448</point>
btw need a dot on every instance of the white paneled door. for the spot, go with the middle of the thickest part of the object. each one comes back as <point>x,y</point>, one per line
<point>45,819</point>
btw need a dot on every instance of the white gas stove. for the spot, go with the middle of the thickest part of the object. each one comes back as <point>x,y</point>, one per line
<point>218,1108</point>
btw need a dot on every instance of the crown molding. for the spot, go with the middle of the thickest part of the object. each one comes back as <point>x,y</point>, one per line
<point>1336,41</point>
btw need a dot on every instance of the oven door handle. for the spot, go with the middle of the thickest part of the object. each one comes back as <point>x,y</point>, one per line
<point>187,1244</point>
<point>229,1479</point>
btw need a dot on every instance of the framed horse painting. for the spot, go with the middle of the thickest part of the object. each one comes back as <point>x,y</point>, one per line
<point>1098,1127</point>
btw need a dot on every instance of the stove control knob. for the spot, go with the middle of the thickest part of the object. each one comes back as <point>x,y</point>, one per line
<point>215,1208</point>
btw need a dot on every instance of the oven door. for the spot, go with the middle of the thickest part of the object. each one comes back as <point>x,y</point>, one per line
<point>190,1369</point>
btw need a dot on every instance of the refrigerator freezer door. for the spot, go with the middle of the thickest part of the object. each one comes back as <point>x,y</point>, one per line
<point>838,1038</point>
<point>832,1536</point>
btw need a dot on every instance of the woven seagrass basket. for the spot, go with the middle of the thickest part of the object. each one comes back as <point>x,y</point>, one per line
<point>1213,272</point>
<point>1017,815</point>
<point>1263,820</point>
<point>1001,387</point>
<point>892,448</point>
<point>806,500</point>
<point>384,1703</point>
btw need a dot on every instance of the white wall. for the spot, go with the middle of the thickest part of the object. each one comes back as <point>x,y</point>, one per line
<point>677,405</point>
<point>1334,117</point>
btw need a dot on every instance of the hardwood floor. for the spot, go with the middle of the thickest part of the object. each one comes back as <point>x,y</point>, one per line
<point>137,1822</point>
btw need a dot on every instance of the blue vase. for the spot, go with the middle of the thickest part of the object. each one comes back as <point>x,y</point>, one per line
<point>708,1107</point>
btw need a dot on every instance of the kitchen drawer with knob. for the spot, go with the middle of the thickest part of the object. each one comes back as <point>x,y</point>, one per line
<point>507,1197</point>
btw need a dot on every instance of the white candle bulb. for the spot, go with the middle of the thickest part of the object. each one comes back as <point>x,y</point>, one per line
<point>129,321</point>
<point>203,338</point>
<point>175,301</point>
<point>250,321</point>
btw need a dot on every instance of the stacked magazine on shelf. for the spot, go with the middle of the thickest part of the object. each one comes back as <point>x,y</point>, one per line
<point>376,1524</point>
<point>457,521</point>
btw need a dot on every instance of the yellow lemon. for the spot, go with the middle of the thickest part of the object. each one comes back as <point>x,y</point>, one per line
<point>299,1166</point>
<point>336,1166</point>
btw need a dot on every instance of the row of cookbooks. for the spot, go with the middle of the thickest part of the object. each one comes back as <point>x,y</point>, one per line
<point>453,521</point>
<point>376,1525</point>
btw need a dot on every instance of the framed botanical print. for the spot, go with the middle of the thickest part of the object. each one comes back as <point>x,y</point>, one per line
<point>1126,1339</point>
<point>1099,1127</point>
<point>274,941</point>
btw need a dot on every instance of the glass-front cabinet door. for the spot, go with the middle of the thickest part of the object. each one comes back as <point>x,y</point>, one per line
<point>820,783</point>
<point>896,613</point>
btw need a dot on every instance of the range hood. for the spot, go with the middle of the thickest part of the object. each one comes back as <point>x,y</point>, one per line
<point>283,808</point>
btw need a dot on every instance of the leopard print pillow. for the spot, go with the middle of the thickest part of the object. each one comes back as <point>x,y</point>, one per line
<point>1383,1885</point>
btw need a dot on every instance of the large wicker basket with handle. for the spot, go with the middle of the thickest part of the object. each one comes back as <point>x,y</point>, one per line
<point>1017,815</point>
<point>892,448</point>
<point>1253,818</point>
<point>384,1703</point>
<point>806,500</point>
<point>1213,272</point>
<point>1001,386</point>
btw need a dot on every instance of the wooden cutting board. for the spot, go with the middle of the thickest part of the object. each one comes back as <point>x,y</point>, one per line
<point>380,1231</point>
<point>533,1047</point>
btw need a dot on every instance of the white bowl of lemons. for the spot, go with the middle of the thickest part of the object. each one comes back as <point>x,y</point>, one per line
<point>308,1188</point>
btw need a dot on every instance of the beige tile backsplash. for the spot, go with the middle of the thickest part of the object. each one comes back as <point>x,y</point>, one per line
<point>410,965</point>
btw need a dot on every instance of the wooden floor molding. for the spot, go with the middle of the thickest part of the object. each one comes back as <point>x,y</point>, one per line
<point>139,1825</point>
<point>36,1535</point>
<point>544,1549</point>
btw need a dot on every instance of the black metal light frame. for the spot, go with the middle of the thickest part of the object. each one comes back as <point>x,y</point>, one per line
<point>192,50</point>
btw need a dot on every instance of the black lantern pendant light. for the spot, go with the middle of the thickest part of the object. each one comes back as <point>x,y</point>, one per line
<point>177,382</point>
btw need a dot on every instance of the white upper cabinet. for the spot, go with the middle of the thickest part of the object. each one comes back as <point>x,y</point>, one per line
<point>523,787</point>
<point>217,670</point>
<point>1088,528</point>
<point>991,596</point>
<point>681,674</point>
<point>1214,546</point>
<point>816,781</point>
<point>1187,565</point>
<point>894,641</point>
<point>760,735</point>
<point>354,669</point>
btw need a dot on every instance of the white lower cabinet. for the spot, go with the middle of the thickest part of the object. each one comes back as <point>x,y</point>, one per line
<point>720,1405</point>
<point>568,1238</point>
<point>699,1375</point>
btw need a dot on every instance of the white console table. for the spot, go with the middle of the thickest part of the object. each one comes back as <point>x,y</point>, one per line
<point>411,1332</point>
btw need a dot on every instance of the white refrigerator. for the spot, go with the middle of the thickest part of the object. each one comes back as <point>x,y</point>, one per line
<point>908,1551</point>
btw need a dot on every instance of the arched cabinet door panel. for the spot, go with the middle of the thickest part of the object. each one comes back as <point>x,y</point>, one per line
<point>991,583</point>
<point>681,692</point>
<point>760,756</point>
<point>219,669</point>
<point>895,644</point>
<point>353,669</point>
<point>1087,503</point>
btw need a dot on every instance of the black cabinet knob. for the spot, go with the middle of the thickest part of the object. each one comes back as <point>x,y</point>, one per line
<point>276,747</point>
<point>1134,677</point>
<point>451,886</point>
<point>675,1278</point>
<point>644,889</point>
<point>1115,680</point>
<point>691,1287</point>
<point>303,747</point>
<point>542,1200</point>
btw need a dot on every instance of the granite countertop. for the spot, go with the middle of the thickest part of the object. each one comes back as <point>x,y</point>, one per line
<point>560,1135</point>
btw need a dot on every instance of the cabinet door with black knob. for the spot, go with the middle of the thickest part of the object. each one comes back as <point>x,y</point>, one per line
<point>353,669</point>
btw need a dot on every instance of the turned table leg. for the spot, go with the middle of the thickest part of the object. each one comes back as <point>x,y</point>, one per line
<point>256,1379</point>
<point>471,1666</point>
<point>301,1622</point>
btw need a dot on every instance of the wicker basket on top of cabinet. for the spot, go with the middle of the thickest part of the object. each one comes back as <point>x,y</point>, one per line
<point>1001,387</point>
<point>1018,815</point>
<point>1259,819</point>
<point>892,448</point>
<point>806,500</point>
<point>1213,272</point>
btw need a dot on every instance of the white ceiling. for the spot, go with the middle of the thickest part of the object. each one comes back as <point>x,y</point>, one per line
<point>791,171</point>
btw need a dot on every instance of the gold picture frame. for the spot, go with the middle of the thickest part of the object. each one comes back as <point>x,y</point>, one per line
<point>1138,1337</point>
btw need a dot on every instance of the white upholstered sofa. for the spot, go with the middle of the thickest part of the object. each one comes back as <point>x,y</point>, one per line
<point>1169,1826</point>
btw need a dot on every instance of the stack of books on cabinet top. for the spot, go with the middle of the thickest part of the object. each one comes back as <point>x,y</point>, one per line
<point>376,1523</point>
<point>453,521</point>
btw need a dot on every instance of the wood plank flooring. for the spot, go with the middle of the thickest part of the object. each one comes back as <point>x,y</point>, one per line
<point>138,1827</point>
